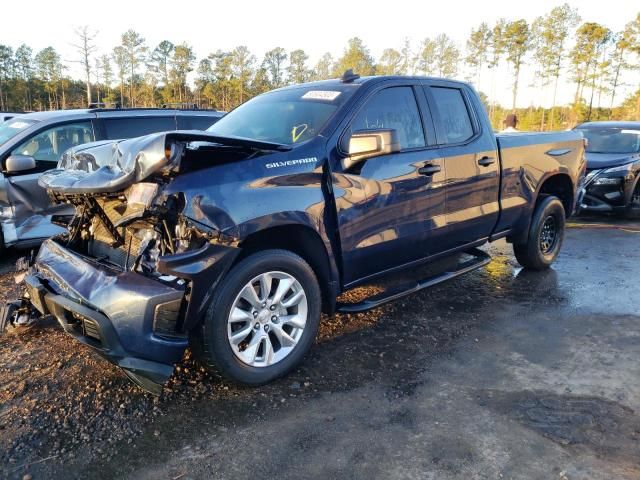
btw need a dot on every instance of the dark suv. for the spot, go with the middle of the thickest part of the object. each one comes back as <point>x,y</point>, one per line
<point>33,143</point>
<point>612,184</point>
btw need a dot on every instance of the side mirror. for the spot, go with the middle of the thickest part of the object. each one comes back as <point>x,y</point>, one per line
<point>20,163</point>
<point>365,144</point>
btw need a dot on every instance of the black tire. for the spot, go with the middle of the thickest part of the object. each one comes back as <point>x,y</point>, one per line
<point>539,252</point>
<point>2,247</point>
<point>210,343</point>
<point>632,211</point>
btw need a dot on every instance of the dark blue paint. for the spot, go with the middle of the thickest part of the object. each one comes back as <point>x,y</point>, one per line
<point>386,213</point>
<point>381,216</point>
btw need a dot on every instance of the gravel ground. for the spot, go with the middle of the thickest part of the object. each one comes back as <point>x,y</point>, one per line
<point>498,374</point>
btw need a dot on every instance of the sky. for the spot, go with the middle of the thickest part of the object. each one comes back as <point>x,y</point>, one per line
<point>316,27</point>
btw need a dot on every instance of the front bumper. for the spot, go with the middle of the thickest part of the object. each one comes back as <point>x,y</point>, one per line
<point>120,313</point>
<point>606,198</point>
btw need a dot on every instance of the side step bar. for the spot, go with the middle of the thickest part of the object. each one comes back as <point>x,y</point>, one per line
<point>479,260</point>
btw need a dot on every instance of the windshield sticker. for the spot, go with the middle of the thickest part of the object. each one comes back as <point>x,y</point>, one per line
<point>329,95</point>
<point>632,132</point>
<point>299,161</point>
<point>18,125</point>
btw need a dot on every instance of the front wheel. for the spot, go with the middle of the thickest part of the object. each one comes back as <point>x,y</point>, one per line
<point>262,320</point>
<point>545,237</point>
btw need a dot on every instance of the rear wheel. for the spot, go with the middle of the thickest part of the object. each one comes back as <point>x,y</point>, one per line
<point>262,320</point>
<point>545,237</point>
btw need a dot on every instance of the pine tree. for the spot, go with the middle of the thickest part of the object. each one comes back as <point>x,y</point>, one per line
<point>390,62</point>
<point>135,51</point>
<point>591,38</point>
<point>517,40</point>
<point>550,34</point>
<point>273,64</point>
<point>447,56</point>
<point>297,70</point>
<point>425,61</point>
<point>356,57</point>
<point>478,49</point>
<point>323,68</point>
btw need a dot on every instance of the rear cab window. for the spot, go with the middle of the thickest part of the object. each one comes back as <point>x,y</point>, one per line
<point>455,116</point>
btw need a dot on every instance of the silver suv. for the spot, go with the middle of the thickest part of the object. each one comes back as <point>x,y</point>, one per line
<point>33,143</point>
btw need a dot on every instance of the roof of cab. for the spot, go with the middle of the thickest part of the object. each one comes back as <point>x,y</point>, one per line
<point>368,80</point>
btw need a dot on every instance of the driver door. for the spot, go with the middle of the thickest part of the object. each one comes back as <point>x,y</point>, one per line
<point>32,209</point>
<point>389,206</point>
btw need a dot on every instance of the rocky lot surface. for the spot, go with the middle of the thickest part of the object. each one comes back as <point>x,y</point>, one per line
<point>499,374</point>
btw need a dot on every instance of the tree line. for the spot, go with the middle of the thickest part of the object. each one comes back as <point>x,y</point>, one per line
<point>558,46</point>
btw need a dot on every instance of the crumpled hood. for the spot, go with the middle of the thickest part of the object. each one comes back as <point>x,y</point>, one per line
<point>109,166</point>
<point>112,166</point>
<point>608,160</point>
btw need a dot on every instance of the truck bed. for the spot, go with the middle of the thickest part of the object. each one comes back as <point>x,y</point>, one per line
<point>527,159</point>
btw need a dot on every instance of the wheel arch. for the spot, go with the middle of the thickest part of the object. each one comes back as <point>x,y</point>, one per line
<point>305,242</point>
<point>560,185</point>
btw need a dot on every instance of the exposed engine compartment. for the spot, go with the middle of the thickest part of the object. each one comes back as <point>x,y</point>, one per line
<point>132,236</point>
<point>130,224</point>
<point>123,217</point>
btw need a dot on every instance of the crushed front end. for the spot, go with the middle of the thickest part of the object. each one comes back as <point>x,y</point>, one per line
<point>133,274</point>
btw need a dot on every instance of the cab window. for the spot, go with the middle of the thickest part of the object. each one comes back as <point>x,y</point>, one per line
<point>454,114</point>
<point>49,145</point>
<point>395,108</point>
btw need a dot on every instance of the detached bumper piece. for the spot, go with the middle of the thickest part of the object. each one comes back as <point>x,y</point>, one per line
<point>123,315</point>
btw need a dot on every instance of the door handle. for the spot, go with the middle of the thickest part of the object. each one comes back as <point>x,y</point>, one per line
<point>486,161</point>
<point>429,169</point>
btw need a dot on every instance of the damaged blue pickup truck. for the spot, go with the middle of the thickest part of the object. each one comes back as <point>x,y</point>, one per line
<point>233,241</point>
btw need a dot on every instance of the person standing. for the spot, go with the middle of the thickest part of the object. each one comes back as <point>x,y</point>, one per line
<point>510,123</point>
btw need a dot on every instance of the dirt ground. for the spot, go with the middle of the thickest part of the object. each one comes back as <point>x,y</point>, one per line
<point>499,374</point>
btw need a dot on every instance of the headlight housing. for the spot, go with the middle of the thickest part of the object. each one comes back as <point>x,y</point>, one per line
<point>608,181</point>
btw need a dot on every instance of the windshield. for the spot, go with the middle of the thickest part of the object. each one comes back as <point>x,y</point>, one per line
<point>287,116</point>
<point>11,128</point>
<point>612,140</point>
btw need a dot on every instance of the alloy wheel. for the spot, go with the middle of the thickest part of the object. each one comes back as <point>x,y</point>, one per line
<point>267,319</point>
